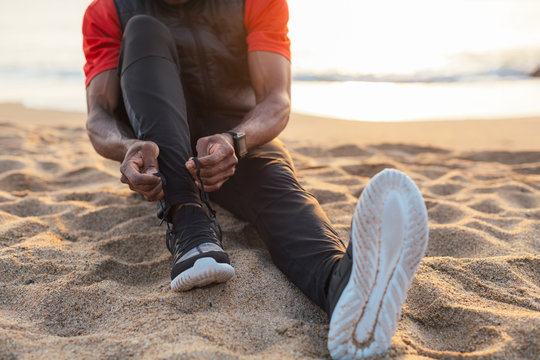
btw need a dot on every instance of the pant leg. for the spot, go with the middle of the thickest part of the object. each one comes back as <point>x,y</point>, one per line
<point>155,103</point>
<point>298,234</point>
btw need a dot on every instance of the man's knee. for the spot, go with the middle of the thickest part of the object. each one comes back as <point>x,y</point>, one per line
<point>146,27</point>
<point>145,36</point>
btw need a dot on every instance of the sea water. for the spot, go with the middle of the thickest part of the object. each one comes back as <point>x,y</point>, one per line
<point>356,59</point>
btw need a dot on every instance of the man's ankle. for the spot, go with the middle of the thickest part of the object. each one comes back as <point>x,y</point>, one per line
<point>177,207</point>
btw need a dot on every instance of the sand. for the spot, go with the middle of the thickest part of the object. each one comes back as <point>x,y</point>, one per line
<point>84,270</point>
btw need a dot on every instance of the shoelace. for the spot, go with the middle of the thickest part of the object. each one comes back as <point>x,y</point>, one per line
<point>204,197</point>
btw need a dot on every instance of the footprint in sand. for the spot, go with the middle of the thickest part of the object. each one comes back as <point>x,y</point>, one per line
<point>445,189</point>
<point>85,175</point>
<point>325,196</point>
<point>438,321</point>
<point>445,213</point>
<point>410,149</point>
<point>106,218</point>
<point>14,231</point>
<point>139,274</point>
<point>367,170</point>
<point>528,170</point>
<point>135,248</point>
<point>504,157</point>
<point>349,150</point>
<point>487,205</point>
<point>20,181</point>
<point>8,164</point>
<point>459,242</point>
<point>520,200</point>
<point>33,207</point>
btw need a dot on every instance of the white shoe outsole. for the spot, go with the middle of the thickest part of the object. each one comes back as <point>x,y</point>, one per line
<point>389,234</point>
<point>205,271</point>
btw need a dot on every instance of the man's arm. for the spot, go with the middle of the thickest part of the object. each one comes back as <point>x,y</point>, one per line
<point>271,79</point>
<point>115,140</point>
<point>110,137</point>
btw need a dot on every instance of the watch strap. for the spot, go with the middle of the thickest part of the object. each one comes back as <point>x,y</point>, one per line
<point>239,140</point>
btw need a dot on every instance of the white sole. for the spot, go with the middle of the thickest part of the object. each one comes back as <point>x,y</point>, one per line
<point>389,234</point>
<point>205,271</point>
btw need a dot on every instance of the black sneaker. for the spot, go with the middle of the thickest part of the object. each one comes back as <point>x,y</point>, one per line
<point>195,243</point>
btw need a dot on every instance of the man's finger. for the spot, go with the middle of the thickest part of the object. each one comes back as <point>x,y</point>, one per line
<point>149,155</point>
<point>160,195</point>
<point>215,187</point>
<point>219,178</point>
<point>222,167</point>
<point>141,183</point>
<point>144,181</point>
<point>134,177</point>
<point>192,168</point>
<point>154,194</point>
<point>153,189</point>
<point>217,157</point>
<point>150,193</point>
<point>210,171</point>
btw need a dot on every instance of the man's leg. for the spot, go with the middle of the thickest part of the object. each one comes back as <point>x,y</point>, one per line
<point>363,289</point>
<point>299,236</point>
<point>156,107</point>
<point>154,101</point>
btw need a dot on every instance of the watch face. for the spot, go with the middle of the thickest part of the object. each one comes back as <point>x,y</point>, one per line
<point>236,133</point>
<point>239,134</point>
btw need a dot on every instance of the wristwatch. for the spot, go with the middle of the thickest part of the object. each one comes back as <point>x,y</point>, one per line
<point>239,138</point>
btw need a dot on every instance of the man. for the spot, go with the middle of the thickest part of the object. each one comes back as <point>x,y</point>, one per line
<point>190,96</point>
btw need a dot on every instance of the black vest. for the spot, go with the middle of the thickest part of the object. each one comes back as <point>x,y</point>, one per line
<point>211,41</point>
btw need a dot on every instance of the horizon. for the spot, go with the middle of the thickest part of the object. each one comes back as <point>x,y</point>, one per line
<point>407,46</point>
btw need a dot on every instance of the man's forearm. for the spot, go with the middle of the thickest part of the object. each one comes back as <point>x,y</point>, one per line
<point>110,137</point>
<point>270,75</point>
<point>267,120</point>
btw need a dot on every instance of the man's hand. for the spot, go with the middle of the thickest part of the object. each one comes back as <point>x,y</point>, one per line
<point>138,167</point>
<point>217,159</point>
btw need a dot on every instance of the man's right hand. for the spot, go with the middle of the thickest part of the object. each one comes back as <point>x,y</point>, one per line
<point>138,169</point>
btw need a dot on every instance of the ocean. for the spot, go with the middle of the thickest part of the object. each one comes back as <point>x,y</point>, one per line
<point>371,60</point>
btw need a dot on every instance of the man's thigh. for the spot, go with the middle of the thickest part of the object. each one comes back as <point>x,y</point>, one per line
<point>264,176</point>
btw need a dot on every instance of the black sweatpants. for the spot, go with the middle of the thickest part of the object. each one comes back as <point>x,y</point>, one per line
<point>264,189</point>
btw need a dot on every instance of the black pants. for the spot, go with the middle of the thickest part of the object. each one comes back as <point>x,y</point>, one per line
<point>264,189</point>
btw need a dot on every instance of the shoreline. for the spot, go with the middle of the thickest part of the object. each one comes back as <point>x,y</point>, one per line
<point>516,134</point>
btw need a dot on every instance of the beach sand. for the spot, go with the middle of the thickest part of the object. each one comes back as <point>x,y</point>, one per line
<point>84,270</point>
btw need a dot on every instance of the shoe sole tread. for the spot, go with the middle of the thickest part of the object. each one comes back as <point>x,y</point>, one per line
<point>384,263</point>
<point>205,271</point>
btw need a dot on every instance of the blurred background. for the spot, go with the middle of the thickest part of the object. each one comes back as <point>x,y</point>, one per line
<point>378,60</point>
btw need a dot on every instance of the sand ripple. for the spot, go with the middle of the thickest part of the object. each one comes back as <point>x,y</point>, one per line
<point>84,271</point>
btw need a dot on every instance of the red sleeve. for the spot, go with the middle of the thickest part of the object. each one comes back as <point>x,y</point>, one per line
<point>266,25</point>
<point>102,38</point>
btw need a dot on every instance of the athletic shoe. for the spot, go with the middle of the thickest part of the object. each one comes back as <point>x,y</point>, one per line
<point>195,243</point>
<point>388,239</point>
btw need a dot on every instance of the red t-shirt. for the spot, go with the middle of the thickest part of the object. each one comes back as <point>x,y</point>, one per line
<point>265,22</point>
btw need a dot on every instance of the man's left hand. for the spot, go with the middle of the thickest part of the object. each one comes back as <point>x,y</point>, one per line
<point>217,159</point>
